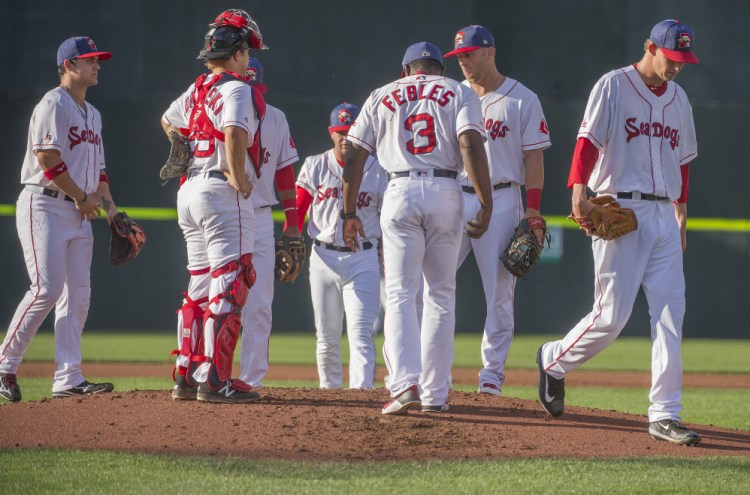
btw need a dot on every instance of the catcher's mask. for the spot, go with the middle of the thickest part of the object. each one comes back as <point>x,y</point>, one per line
<point>241,20</point>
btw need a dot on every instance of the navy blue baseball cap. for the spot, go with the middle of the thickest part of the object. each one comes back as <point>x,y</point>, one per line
<point>79,47</point>
<point>342,117</point>
<point>422,50</point>
<point>471,38</point>
<point>675,40</point>
<point>254,75</point>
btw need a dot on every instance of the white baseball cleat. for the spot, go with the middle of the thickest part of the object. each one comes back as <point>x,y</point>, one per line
<point>490,388</point>
<point>401,404</point>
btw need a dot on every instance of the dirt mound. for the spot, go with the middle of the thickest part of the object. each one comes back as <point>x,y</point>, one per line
<point>318,425</point>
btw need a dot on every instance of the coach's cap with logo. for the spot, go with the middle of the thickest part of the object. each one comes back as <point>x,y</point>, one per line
<point>675,39</point>
<point>342,117</point>
<point>471,38</point>
<point>422,50</point>
<point>79,47</point>
<point>254,75</point>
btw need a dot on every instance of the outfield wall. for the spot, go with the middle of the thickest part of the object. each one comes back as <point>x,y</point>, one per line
<point>329,51</point>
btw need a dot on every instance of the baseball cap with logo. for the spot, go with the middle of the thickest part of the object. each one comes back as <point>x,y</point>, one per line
<point>342,117</point>
<point>79,47</point>
<point>255,75</point>
<point>422,50</point>
<point>675,40</point>
<point>471,38</point>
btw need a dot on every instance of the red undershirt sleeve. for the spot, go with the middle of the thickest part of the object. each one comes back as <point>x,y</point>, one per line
<point>685,173</point>
<point>304,200</point>
<point>584,159</point>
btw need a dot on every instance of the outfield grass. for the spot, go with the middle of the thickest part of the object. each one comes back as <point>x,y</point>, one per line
<point>625,354</point>
<point>59,473</point>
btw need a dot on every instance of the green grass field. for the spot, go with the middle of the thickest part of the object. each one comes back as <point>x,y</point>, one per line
<point>30,471</point>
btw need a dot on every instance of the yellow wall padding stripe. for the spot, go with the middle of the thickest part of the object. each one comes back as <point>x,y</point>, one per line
<point>694,223</point>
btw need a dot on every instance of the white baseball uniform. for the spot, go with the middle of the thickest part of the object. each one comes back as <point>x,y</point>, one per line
<point>57,243</point>
<point>256,315</point>
<point>642,140</point>
<point>342,281</point>
<point>217,222</point>
<point>413,124</point>
<point>514,123</point>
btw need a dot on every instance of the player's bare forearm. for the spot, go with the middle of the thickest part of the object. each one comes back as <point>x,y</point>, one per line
<point>680,213</point>
<point>236,142</point>
<point>354,166</point>
<point>48,160</point>
<point>169,128</point>
<point>475,163</point>
<point>533,161</point>
<point>104,199</point>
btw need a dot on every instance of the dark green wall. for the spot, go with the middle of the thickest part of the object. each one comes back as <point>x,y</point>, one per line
<point>326,52</point>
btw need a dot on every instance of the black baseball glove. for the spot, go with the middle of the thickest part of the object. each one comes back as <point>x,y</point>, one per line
<point>524,249</point>
<point>290,257</point>
<point>126,241</point>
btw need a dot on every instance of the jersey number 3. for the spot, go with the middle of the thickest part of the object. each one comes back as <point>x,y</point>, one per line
<point>422,127</point>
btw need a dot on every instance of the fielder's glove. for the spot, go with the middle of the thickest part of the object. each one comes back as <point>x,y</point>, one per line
<point>180,156</point>
<point>290,257</point>
<point>127,239</point>
<point>524,249</point>
<point>607,220</point>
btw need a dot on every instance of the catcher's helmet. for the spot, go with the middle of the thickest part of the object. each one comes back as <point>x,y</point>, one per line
<point>241,20</point>
<point>222,42</point>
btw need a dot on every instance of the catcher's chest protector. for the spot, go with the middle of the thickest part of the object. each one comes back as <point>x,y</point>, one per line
<point>200,126</point>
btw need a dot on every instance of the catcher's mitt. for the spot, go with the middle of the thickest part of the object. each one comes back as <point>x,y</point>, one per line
<point>290,256</point>
<point>127,239</point>
<point>608,219</point>
<point>179,157</point>
<point>524,249</point>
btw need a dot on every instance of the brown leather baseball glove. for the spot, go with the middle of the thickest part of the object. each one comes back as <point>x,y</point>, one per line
<point>290,257</point>
<point>608,220</point>
<point>179,157</point>
<point>126,241</point>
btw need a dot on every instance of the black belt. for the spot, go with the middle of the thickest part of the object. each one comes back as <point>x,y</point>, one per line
<point>341,249</point>
<point>647,197</point>
<point>56,194</point>
<point>437,172</point>
<point>214,174</point>
<point>499,185</point>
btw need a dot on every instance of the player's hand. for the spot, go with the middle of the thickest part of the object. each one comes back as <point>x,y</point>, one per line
<point>477,226</point>
<point>581,210</point>
<point>89,208</point>
<point>292,231</point>
<point>352,228</point>
<point>243,184</point>
<point>538,233</point>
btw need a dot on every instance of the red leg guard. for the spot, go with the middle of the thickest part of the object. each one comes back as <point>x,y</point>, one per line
<point>227,326</point>
<point>191,343</point>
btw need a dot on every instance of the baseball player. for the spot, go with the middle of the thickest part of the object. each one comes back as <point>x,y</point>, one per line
<point>342,280</point>
<point>222,114</point>
<point>65,183</point>
<point>424,128</point>
<point>280,154</point>
<point>517,135</point>
<point>635,143</point>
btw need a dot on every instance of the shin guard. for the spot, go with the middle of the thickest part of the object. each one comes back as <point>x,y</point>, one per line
<point>227,326</point>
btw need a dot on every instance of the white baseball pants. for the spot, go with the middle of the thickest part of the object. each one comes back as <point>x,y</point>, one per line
<point>650,257</point>
<point>421,220</point>
<point>499,285</point>
<point>57,246</point>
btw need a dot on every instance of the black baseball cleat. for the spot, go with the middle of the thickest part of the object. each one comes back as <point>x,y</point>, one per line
<point>674,432</point>
<point>551,390</point>
<point>232,392</point>
<point>85,388</point>
<point>183,391</point>
<point>9,389</point>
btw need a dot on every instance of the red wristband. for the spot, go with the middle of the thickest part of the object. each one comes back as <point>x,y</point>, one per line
<point>534,198</point>
<point>59,169</point>
<point>103,177</point>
